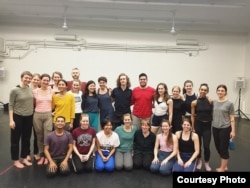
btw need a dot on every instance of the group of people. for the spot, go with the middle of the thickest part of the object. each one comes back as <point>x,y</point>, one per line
<point>75,124</point>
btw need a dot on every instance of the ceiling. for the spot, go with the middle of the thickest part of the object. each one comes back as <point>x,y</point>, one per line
<point>130,15</point>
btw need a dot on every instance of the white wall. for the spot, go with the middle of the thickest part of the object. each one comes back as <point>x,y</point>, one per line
<point>226,59</point>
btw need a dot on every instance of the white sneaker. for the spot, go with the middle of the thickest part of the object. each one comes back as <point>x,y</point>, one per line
<point>199,164</point>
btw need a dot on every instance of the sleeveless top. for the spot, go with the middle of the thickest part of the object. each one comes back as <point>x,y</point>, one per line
<point>186,146</point>
<point>188,101</point>
<point>105,102</point>
<point>163,145</point>
<point>203,109</point>
<point>161,108</point>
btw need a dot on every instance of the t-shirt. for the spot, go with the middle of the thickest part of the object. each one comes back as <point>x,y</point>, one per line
<point>58,145</point>
<point>108,143</point>
<point>83,139</point>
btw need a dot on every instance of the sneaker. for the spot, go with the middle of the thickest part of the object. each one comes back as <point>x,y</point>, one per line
<point>207,167</point>
<point>199,164</point>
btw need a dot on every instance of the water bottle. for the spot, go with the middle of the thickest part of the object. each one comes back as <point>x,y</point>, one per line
<point>231,145</point>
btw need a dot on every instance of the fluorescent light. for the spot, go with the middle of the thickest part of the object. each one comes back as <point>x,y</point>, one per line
<point>66,37</point>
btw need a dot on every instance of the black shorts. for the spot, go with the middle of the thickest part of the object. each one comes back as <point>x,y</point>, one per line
<point>156,121</point>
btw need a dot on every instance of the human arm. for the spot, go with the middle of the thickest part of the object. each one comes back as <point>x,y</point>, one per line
<point>179,159</point>
<point>193,106</point>
<point>72,112</point>
<point>170,110</point>
<point>64,163</point>
<point>11,111</point>
<point>98,147</point>
<point>232,120</point>
<point>174,152</point>
<point>11,120</point>
<point>156,150</point>
<point>52,164</point>
<point>196,150</point>
<point>92,147</point>
<point>76,150</point>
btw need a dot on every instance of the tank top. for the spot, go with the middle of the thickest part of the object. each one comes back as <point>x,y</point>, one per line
<point>186,146</point>
<point>203,109</point>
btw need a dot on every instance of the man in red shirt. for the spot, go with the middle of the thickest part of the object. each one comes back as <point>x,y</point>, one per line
<point>142,101</point>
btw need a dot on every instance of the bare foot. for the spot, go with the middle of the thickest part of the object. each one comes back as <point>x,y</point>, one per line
<point>41,161</point>
<point>37,157</point>
<point>26,162</point>
<point>46,161</point>
<point>220,170</point>
<point>18,164</point>
<point>28,158</point>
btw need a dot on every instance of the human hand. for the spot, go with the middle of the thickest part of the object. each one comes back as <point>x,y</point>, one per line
<point>12,125</point>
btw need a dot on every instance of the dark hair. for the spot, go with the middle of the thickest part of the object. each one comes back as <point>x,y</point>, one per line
<point>143,74</point>
<point>206,85</point>
<point>183,89</point>
<point>60,117</point>
<point>64,81</point>
<point>44,75</point>
<point>104,122</point>
<point>26,73</point>
<point>86,93</point>
<point>222,86</point>
<point>102,78</point>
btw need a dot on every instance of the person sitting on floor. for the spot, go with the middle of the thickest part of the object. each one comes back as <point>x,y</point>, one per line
<point>83,145</point>
<point>58,147</point>
<point>106,142</point>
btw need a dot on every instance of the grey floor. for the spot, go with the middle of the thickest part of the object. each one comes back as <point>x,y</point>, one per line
<point>34,176</point>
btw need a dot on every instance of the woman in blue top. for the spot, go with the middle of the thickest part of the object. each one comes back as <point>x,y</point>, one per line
<point>105,101</point>
<point>90,104</point>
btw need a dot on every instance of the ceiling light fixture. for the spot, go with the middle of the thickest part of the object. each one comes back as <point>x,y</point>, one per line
<point>65,26</point>
<point>173,31</point>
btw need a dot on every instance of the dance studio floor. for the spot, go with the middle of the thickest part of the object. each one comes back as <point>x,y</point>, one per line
<point>34,176</point>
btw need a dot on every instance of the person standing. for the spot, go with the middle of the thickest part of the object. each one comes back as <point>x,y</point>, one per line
<point>188,150</point>
<point>21,108</point>
<point>142,101</point>
<point>121,96</point>
<point>223,125</point>
<point>77,93</point>
<point>201,117</point>
<point>163,107</point>
<point>56,76</point>
<point>35,83</point>
<point>144,142</point>
<point>105,100</point>
<point>58,147</point>
<point>165,150</point>
<point>90,104</point>
<point>84,138</point>
<point>42,119</point>
<point>189,96</point>
<point>123,154</point>
<point>75,73</point>
<point>178,109</point>
<point>63,104</point>
<point>106,143</point>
